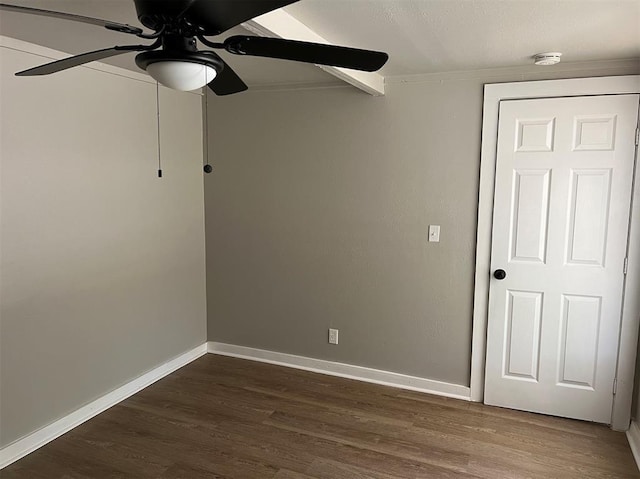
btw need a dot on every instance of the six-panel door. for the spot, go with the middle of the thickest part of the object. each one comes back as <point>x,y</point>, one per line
<point>561,212</point>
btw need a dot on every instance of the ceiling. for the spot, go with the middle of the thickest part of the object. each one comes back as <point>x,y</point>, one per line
<point>421,36</point>
<point>433,36</point>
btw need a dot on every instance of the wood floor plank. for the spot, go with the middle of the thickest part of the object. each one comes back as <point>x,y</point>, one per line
<point>287,474</point>
<point>328,469</point>
<point>225,418</point>
<point>381,443</point>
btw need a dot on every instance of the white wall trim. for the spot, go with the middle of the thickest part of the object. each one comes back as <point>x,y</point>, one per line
<point>376,376</point>
<point>11,453</point>
<point>17,450</point>
<point>574,68</point>
<point>493,94</point>
<point>633,436</point>
<point>628,339</point>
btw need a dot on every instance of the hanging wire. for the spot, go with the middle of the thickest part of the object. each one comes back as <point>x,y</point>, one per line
<point>158,128</point>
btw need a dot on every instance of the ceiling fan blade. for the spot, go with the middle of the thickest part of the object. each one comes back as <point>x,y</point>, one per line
<point>217,16</point>
<point>118,27</point>
<point>227,82</point>
<point>83,58</point>
<point>317,53</point>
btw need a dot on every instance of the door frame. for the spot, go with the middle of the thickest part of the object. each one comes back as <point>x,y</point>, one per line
<point>627,347</point>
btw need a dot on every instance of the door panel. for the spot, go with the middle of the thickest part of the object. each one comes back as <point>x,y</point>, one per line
<point>588,211</point>
<point>580,328</point>
<point>530,215</point>
<point>523,335</point>
<point>561,210</point>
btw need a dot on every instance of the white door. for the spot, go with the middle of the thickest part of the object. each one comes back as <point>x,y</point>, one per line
<point>564,174</point>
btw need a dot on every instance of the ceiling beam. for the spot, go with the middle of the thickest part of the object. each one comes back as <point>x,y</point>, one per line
<point>281,24</point>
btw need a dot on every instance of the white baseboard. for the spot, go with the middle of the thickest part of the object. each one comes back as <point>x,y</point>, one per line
<point>633,436</point>
<point>377,376</point>
<point>11,453</point>
<point>39,438</point>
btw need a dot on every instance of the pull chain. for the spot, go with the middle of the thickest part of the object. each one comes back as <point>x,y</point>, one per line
<point>207,167</point>
<point>158,128</point>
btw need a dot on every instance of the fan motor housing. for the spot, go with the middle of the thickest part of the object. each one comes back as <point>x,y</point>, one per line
<point>155,14</point>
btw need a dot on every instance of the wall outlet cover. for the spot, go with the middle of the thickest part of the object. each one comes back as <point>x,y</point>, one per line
<point>434,233</point>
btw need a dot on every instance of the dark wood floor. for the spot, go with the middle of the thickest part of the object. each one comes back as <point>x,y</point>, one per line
<point>220,417</point>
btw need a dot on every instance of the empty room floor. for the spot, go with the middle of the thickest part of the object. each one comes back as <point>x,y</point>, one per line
<point>221,417</point>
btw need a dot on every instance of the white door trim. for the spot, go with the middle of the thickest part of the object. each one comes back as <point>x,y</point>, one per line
<point>493,94</point>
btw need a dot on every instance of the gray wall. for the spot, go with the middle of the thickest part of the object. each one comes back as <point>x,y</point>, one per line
<point>317,215</point>
<point>102,263</point>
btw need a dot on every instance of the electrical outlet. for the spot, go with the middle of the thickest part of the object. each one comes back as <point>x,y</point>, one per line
<point>333,336</point>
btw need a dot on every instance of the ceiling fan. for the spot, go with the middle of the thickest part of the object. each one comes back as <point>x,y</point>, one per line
<point>173,59</point>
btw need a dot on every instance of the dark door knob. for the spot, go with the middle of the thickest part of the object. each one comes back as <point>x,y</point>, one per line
<point>499,274</point>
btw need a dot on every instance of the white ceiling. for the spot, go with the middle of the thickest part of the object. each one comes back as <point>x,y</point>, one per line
<point>421,36</point>
<point>433,36</point>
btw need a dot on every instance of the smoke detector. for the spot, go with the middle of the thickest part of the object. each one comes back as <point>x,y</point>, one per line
<point>549,58</point>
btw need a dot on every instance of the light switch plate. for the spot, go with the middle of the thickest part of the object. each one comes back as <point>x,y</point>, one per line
<point>434,233</point>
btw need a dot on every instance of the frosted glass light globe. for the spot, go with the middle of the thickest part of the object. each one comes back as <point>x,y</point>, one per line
<point>183,76</point>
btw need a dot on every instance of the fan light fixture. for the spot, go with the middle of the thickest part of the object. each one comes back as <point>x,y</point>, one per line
<point>183,76</point>
<point>184,71</point>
